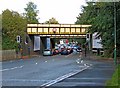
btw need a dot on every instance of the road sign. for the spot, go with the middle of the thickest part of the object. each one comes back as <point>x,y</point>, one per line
<point>54,30</point>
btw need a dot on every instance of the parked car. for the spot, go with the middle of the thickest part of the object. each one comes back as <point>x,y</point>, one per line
<point>77,48</point>
<point>55,51</point>
<point>70,50</point>
<point>64,52</point>
<point>47,52</point>
<point>56,46</point>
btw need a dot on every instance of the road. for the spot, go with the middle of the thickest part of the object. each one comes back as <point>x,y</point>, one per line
<point>93,77</point>
<point>56,71</point>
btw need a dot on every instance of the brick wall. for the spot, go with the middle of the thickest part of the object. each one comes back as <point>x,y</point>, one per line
<point>7,55</point>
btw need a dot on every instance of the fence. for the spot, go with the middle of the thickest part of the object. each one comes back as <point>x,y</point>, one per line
<point>7,55</point>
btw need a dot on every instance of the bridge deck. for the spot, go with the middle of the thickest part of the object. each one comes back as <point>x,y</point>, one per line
<point>56,30</point>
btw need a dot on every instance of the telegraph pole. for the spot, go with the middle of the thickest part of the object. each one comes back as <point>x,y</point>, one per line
<point>115,60</point>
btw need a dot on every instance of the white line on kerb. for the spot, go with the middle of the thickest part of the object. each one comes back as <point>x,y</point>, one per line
<point>63,77</point>
<point>12,68</point>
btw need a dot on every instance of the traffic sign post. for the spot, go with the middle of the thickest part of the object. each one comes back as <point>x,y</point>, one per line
<point>18,39</point>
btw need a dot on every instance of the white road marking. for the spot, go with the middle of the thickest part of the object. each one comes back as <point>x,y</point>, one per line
<point>67,56</point>
<point>62,77</point>
<point>25,80</point>
<point>78,60</point>
<point>80,56</point>
<point>16,60</point>
<point>81,61</point>
<point>11,61</point>
<point>90,64</point>
<point>81,66</point>
<point>91,78</point>
<point>21,59</point>
<point>12,68</point>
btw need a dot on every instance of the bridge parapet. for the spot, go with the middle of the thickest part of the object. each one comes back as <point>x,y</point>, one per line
<point>57,29</point>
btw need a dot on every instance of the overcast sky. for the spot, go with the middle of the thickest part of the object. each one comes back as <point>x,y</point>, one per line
<point>65,11</point>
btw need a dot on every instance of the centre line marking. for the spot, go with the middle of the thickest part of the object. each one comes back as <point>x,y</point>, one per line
<point>62,77</point>
<point>12,68</point>
<point>45,61</point>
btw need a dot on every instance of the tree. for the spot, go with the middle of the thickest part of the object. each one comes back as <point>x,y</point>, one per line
<point>100,16</point>
<point>13,24</point>
<point>31,13</point>
<point>52,21</point>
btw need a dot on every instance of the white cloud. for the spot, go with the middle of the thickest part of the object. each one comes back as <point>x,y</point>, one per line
<point>65,11</point>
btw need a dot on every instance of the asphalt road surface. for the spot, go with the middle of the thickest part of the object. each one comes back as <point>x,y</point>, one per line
<point>56,71</point>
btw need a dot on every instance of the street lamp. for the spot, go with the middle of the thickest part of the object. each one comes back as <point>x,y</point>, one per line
<point>115,60</point>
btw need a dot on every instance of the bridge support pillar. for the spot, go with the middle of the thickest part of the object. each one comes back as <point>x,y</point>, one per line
<point>42,44</point>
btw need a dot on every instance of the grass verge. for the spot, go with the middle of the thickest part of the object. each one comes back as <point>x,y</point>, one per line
<point>114,82</point>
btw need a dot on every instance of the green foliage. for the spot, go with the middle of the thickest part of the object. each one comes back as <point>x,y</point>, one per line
<point>101,16</point>
<point>7,43</point>
<point>31,13</point>
<point>13,24</point>
<point>52,21</point>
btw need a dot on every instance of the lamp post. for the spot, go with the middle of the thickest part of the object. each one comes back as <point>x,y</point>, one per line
<point>115,60</point>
